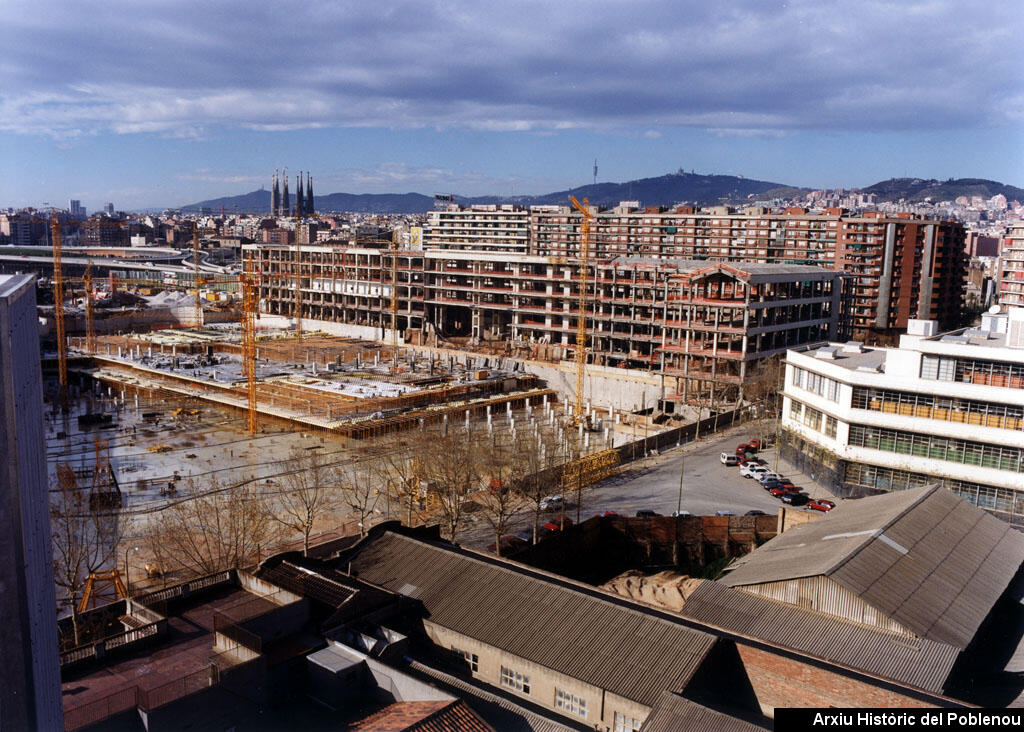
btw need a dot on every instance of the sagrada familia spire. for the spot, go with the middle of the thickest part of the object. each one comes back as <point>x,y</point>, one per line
<point>280,200</point>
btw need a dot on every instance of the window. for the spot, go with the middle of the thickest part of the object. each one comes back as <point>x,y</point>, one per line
<point>571,703</point>
<point>515,680</point>
<point>627,724</point>
<point>472,660</point>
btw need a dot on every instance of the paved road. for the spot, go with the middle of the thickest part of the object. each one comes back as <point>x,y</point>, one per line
<point>653,483</point>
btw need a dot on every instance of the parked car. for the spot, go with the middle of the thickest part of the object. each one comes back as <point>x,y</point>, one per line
<point>780,491</point>
<point>724,513</point>
<point>755,512</point>
<point>768,475</point>
<point>743,449</point>
<point>557,524</point>
<point>681,513</point>
<point>509,543</point>
<point>770,484</point>
<point>728,459</point>
<point>551,503</point>
<point>752,470</point>
<point>796,499</point>
<point>821,504</point>
<point>646,513</point>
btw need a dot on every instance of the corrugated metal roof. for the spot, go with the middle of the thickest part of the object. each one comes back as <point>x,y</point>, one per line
<point>599,641</point>
<point>915,661</point>
<point>673,713</point>
<point>924,557</point>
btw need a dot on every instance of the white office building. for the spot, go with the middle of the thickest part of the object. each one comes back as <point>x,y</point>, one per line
<point>946,408</point>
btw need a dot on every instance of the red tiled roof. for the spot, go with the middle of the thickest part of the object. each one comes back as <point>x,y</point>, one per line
<point>424,716</point>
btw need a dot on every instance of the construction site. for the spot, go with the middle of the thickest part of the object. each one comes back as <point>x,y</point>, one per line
<point>314,353</point>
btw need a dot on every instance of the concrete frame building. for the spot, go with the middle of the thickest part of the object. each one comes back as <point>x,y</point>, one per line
<point>702,324</point>
<point>940,408</point>
<point>30,695</point>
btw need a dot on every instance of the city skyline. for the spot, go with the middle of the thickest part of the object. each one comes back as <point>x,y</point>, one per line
<point>188,102</point>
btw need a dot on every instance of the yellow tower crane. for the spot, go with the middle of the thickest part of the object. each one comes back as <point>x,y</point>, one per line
<point>90,319</point>
<point>581,321</point>
<point>58,300</point>
<point>250,295</point>
<point>198,304</point>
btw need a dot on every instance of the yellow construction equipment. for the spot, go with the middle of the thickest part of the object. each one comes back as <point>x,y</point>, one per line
<point>58,300</point>
<point>581,322</point>
<point>198,304</point>
<point>98,581</point>
<point>250,296</point>
<point>394,308</point>
<point>90,321</point>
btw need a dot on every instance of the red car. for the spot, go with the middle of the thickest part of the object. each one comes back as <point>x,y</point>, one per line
<point>820,504</point>
<point>783,490</point>
<point>553,524</point>
<point>754,445</point>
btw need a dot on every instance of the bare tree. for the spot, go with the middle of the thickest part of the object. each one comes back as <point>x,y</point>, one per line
<point>84,541</point>
<point>360,491</point>
<point>208,531</point>
<point>306,496</point>
<point>398,471</point>
<point>500,501</point>
<point>539,457</point>
<point>451,467</point>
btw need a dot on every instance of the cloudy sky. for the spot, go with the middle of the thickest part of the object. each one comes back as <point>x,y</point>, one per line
<point>163,102</point>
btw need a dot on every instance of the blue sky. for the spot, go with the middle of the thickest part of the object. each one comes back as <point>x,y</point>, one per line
<point>158,102</point>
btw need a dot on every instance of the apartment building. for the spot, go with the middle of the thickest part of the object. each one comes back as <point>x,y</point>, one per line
<point>945,409</point>
<point>901,266</point>
<point>482,227</point>
<point>705,325</point>
<point>1011,267</point>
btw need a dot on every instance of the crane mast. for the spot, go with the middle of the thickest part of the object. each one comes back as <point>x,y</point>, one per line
<point>90,316</point>
<point>581,321</point>
<point>249,304</point>
<point>198,304</point>
<point>58,298</point>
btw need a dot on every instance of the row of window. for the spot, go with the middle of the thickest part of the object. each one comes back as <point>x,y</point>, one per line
<point>972,371</point>
<point>816,383</point>
<point>810,417</point>
<point>988,414</point>
<point>949,449</point>
<point>881,478</point>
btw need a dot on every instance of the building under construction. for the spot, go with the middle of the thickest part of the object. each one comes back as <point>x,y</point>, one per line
<point>699,323</point>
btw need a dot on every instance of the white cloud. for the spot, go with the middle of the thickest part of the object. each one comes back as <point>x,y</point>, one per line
<point>181,68</point>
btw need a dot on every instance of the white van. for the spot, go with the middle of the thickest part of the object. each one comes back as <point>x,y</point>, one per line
<point>728,459</point>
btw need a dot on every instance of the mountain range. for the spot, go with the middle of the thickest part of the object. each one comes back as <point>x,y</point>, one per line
<point>665,190</point>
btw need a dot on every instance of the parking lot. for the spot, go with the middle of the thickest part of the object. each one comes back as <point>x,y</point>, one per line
<point>652,484</point>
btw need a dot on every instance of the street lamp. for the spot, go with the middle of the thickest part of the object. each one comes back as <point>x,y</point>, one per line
<point>127,576</point>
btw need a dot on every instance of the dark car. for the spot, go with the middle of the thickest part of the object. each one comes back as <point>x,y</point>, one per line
<point>647,513</point>
<point>773,483</point>
<point>509,543</point>
<point>755,512</point>
<point>795,499</point>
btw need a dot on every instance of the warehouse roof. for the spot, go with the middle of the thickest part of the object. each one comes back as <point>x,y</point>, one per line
<point>915,661</point>
<point>924,557</point>
<point>570,629</point>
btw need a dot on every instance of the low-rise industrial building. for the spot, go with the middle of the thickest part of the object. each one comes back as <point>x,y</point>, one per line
<point>945,408</point>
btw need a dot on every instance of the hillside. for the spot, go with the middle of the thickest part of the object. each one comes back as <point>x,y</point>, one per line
<point>918,189</point>
<point>664,190</point>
